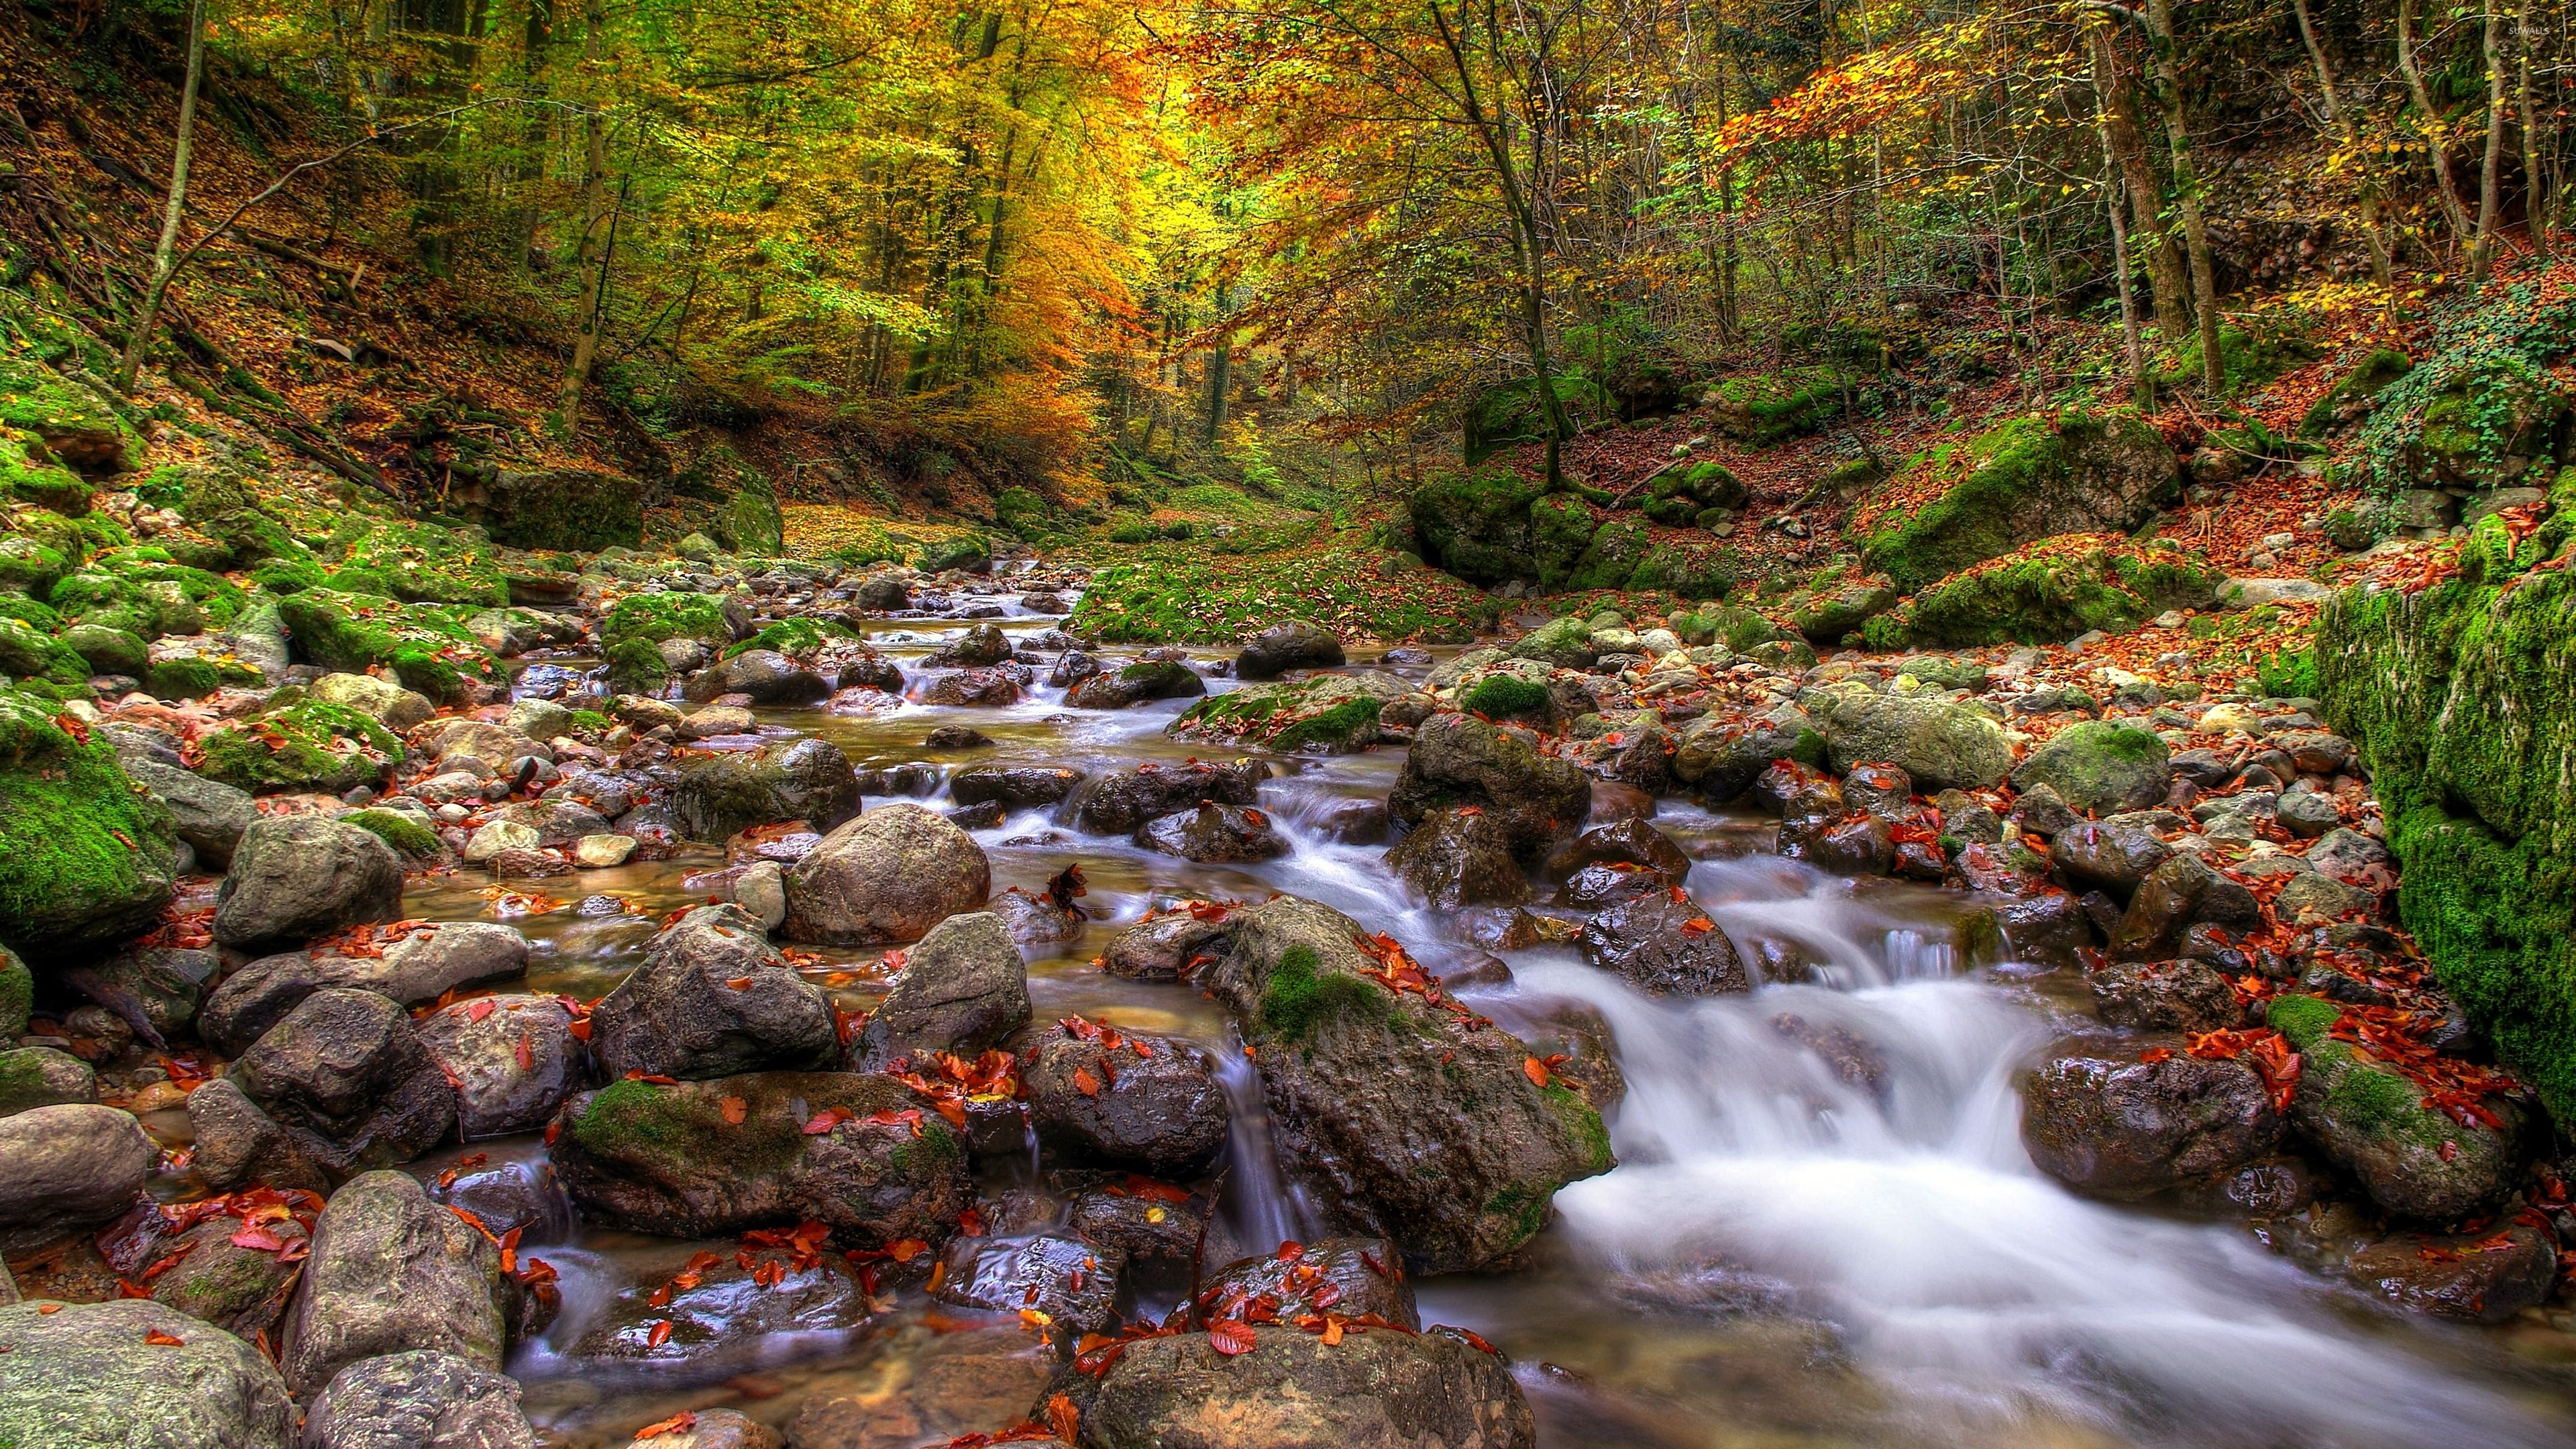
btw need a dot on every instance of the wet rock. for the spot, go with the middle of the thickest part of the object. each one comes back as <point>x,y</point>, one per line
<point>1376,1389</point>
<point>1295,644</point>
<point>345,1073</point>
<point>1145,1103</point>
<point>2098,767</point>
<point>1214,834</point>
<point>2041,812</point>
<point>419,1399</point>
<point>513,1059</point>
<point>1939,746</point>
<point>2184,996</point>
<point>1036,925</point>
<point>1351,1277</point>
<point>208,814</point>
<point>1628,841</point>
<point>420,967</point>
<point>881,594</point>
<point>957,737</point>
<point>2307,815</point>
<point>2367,1118</point>
<point>963,988</point>
<point>766,676</point>
<point>1144,1220</point>
<point>239,1143</point>
<point>1016,788</point>
<point>70,1165</point>
<point>2182,892</point>
<point>721,1313</point>
<point>506,1193</point>
<point>1723,755</point>
<point>716,1429</point>
<point>32,1077</point>
<point>1460,856</point>
<point>807,779</point>
<point>2113,856</point>
<point>675,1160</point>
<point>2312,899</point>
<point>1459,760</point>
<point>2350,856</point>
<point>296,877</point>
<point>935,1385</point>
<point>157,990</point>
<point>1598,886</point>
<point>889,875</point>
<point>237,1289</point>
<point>1118,802</point>
<point>1410,1124</point>
<point>982,645</point>
<point>713,999</point>
<point>1137,683</point>
<point>1161,949</point>
<point>978,688</point>
<point>1856,845</point>
<point>2114,1126</point>
<point>1663,947</point>
<point>2471,1278</point>
<point>1073,1282</point>
<point>85,1374</point>
<point>391,1271</point>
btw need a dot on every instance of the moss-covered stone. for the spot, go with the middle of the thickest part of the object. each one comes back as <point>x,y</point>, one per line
<point>1508,697</point>
<point>1478,525</point>
<point>85,853</point>
<point>427,646</point>
<point>30,567</point>
<point>635,667</point>
<point>564,508</point>
<point>1329,714</point>
<point>307,745</point>
<point>1295,1002</point>
<point>1774,407</point>
<point>404,832</point>
<point>17,995</point>
<point>426,563</point>
<point>1611,559</point>
<point>800,637</point>
<point>75,422</point>
<point>653,618</point>
<point>1962,503</point>
<point>2057,591</point>
<point>2366,381</point>
<point>2248,356</point>
<point>754,524</point>
<point>28,653</point>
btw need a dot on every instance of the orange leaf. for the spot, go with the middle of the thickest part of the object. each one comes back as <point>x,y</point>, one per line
<point>1332,1331</point>
<point>158,1339</point>
<point>1698,926</point>
<point>660,1334</point>
<point>1085,1083</point>
<point>1535,1070</point>
<point>739,983</point>
<point>1063,1418</point>
<point>527,1056</point>
<point>735,1109</point>
<point>1230,1337</point>
<point>904,1250</point>
<point>679,1423</point>
<point>479,1008</point>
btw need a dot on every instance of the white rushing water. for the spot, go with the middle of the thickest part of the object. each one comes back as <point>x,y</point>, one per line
<point>1911,1220</point>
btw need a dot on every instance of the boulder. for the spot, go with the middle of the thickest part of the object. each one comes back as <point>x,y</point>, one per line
<point>1663,947</point>
<point>86,859</point>
<point>2029,478</point>
<point>1378,1388</point>
<point>296,877</point>
<point>91,1376</point>
<point>1630,842</point>
<point>889,875</point>
<point>1161,948</point>
<point>2169,996</point>
<point>864,1155</point>
<point>1460,760</point>
<point>982,645</point>
<point>713,999</point>
<point>2182,892</point>
<point>418,1399</point>
<point>963,988</point>
<point>806,779</point>
<point>346,1075</point>
<point>2116,1126</point>
<point>765,676</point>
<point>2484,1278</point>
<point>392,1271</point>
<point>1459,856</point>
<point>1352,1277</point>
<point>697,1318</point>
<point>237,1143</point>
<point>972,688</point>
<point>1075,1284</point>
<point>1147,1104</point>
<point>1214,834</point>
<point>157,990</point>
<point>237,1288</point>
<point>208,814</point>
<point>2114,857</point>
<point>513,1058</point>
<point>382,700</point>
<point>1941,746</point>
<point>32,1077</point>
<point>881,594</point>
<point>2364,1116</point>
<point>1412,1119</point>
<point>68,1166</point>
<point>1137,683</point>
<point>422,966</point>
<point>2098,767</point>
<point>1295,644</point>
<point>1722,754</point>
<point>1017,788</point>
<point>1118,802</point>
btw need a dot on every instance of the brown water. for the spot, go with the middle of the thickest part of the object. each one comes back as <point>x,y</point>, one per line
<point>1785,1259</point>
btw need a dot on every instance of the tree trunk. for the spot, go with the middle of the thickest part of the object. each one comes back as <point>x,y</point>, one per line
<point>1220,373</point>
<point>2444,190</point>
<point>2195,226</point>
<point>2490,169</point>
<point>2539,210</point>
<point>589,260</point>
<point>2105,76</point>
<point>2170,283</point>
<point>2383,268</point>
<point>165,252</point>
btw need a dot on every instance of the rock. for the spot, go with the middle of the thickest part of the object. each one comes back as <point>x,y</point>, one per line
<point>2098,767</point>
<point>1295,644</point>
<point>418,1399</point>
<point>2183,996</point>
<point>761,891</point>
<point>236,1143</point>
<point>974,688</point>
<point>1460,857</point>
<point>2349,856</point>
<point>479,1043</point>
<point>422,966</point>
<point>963,988</point>
<point>2312,899</point>
<point>2115,857</point>
<point>346,1075</point>
<point>157,990</point>
<point>719,1314</point>
<point>1376,1389</point>
<point>1037,924</point>
<point>32,1077</point>
<point>206,1275</point>
<point>85,859</point>
<point>766,676</point>
<point>2472,1278</point>
<point>718,720</point>
<point>1148,1104</point>
<point>1353,1277</point>
<point>1458,759</point>
<point>1857,845</point>
<point>2307,815</point>
<point>1018,788</point>
<point>1214,834</point>
<point>1074,1283</point>
<point>391,1271</point>
<point>83,1375</point>
<point>1118,802</point>
<point>881,594</point>
<point>1145,1221</point>
<point>1412,1125</point>
<point>296,877</point>
<point>1663,947</point>
<point>889,875</point>
<point>1161,949</point>
<point>2367,1118</point>
<point>716,1429</point>
<point>68,1166</point>
<point>1723,754</point>
<point>2183,892</point>
<point>1137,683</point>
<point>1939,746</point>
<point>1622,842</point>
<point>2116,1127</point>
<point>2254,593</point>
<point>953,1381</point>
<point>496,838</point>
<point>2028,478</point>
<point>603,851</point>
<point>984,644</point>
<point>806,779</point>
<point>670,1159</point>
<point>382,700</point>
<point>208,814</point>
<point>714,999</point>
<point>957,737</point>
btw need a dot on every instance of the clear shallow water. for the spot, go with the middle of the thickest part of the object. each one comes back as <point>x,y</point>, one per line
<point>1792,1253</point>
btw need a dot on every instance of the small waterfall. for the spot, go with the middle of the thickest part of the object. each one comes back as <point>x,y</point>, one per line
<point>1260,1209</point>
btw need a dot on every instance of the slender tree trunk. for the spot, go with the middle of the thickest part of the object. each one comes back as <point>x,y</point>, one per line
<point>1220,373</point>
<point>594,209</point>
<point>2195,226</point>
<point>2166,275</point>
<point>2383,269</point>
<point>2541,207</point>
<point>2490,170</point>
<point>2431,120</point>
<point>165,252</point>
<point>2105,76</point>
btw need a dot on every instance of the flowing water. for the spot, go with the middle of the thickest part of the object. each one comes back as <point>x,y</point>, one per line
<point>1824,1231</point>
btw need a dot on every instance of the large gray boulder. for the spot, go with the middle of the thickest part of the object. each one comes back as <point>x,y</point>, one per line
<point>1943,746</point>
<point>1460,760</point>
<point>1379,1388</point>
<point>513,1059</point>
<point>964,988</point>
<point>1663,947</point>
<point>1118,802</point>
<point>208,814</point>
<point>70,1165</point>
<point>2110,1124</point>
<point>32,1077</point>
<point>423,966</point>
<point>392,1271</point>
<point>2098,767</point>
<point>418,1399</point>
<point>1148,1104</point>
<point>807,779</point>
<point>713,999</point>
<point>347,1077</point>
<point>1295,644</point>
<point>93,1376</point>
<point>296,877</point>
<point>888,876</point>
<point>2369,1119</point>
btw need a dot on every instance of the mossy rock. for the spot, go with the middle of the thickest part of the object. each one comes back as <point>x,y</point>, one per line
<point>2028,479</point>
<point>86,854</point>
<point>29,478</point>
<point>654,618</point>
<point>969,551</point>
<point>29,653</point>
<point>427,646</point>
<point>144,584</point>
<point>2364,383</point>
<point>304,746</point>
<point>223,506</point>
<point>1561,528</point>
<point>17,995</point>
<point>800,637</point>
<point>2502,409</point>
<point>1611,559</point>
<point>404,832</point>
<point>563,508</point>
<point>426,563</point>
<point>1508,697</point>
<point>635,667</point>
<point>2247,357</point>
<point>1774,407</point>
<point>754,524</point>
<point>1329,714</point>
<point>30,567</point>
<point>1699,573</point>
<point>75,422</point>
<point>1478,525</point>
<point>2057,591</point>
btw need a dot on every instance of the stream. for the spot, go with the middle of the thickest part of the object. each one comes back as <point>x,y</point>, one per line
<point>1792,1252</point>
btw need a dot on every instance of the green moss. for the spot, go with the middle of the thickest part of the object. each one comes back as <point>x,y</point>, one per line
<point>1611,559</point>
<point>226,509</point>
<point>1584,1125</point>
<point>2375,372</point>
<point>629,1118</point>
<point>2051,596</point>
<point>635,667</point>
<point>17,995</point>
<point>1341,725</point>
<point>427,646</point>
<point>1507,696</point>
<point>403,832</point>
<point>799,636</point>
<point>183,678</point>
<point>2305,1020</point>
<point>1992,489</point>
<point>1478,525</point>
<point>84,852</point>
<point>1774,407</point>
<point>1176,595</point>
<point>425,563</point>
<point>2247,357</point>
<point>288,575</point>
<point>307,745</point>
<point>964,551</point>
<point>1296,1002</point>
<point>27,653</point>
<point>654,618</point>
<point>1562,526</point>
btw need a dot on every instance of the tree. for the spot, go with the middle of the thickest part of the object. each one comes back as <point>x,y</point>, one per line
<point>165,252</point>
